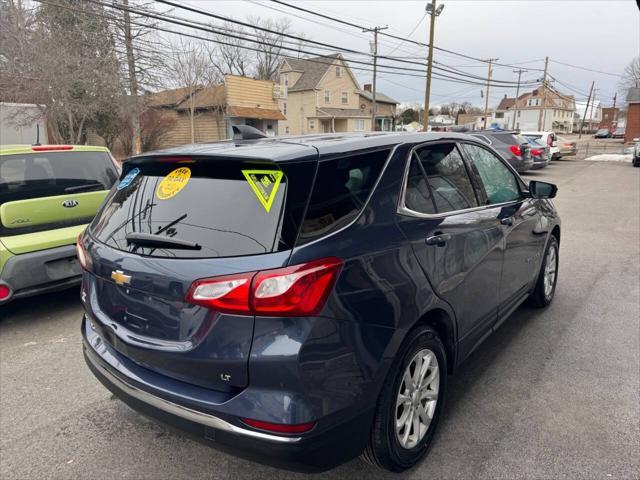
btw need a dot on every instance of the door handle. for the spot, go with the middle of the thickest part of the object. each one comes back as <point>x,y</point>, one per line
<point>507,221</point>
<point>439,239</point>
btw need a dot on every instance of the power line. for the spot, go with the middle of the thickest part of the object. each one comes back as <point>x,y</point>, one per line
<point>586,69</point>
<point>329,61</point>
<point>409,40</point>
<point>322,44</point>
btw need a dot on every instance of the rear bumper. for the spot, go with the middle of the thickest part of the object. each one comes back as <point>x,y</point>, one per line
<point>208,415</point>
<point>43,271</point>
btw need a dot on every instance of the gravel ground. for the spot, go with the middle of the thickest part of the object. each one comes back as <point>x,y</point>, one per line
<point>552,394</point>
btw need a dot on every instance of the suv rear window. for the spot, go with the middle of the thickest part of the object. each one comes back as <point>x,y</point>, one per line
<point>36,175</point>
<point>341,189</point>
<point>216,206</point>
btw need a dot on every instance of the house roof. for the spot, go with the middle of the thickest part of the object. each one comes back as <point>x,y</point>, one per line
<point>633,95</point>
<point>380,97</point>
<point>506,103</point>
<point>205,97</point>
<point>554,99</point>
<point>168,98</point>
<point>313,69</point>
<point>341,113</point>
<point>251,112</point>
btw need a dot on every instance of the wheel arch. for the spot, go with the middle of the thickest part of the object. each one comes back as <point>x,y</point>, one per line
<point>556,233</point>
<point>445,326</point>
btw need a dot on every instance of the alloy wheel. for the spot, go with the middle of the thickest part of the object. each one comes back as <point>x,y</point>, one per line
<point>417,398</point>
<point>550,268</point>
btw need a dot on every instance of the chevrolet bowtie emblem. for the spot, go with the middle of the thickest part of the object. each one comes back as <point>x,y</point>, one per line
<point>120,278</point>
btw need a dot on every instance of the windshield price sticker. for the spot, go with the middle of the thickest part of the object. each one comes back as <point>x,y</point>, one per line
<point>264,184</point>
<point>128,179</point>
<point>173,183</point>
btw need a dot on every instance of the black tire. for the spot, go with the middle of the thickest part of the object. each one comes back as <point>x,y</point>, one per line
<point>538,298</point>
<point>384,449</point>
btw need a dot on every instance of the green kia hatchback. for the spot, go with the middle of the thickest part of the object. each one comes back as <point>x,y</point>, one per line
<point>48,194</point>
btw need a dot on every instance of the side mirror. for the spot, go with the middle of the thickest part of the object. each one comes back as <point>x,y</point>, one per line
<point>542,189</point>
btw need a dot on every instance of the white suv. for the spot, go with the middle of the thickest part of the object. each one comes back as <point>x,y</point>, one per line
<point>548,138</point>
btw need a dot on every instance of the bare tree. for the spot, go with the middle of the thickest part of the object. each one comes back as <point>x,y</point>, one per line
<point>78,83</point>
<point>630,76</point>
<point>229,55</point>
<point>189,67</point>
<point>268,58</point>
<point>142,53</point>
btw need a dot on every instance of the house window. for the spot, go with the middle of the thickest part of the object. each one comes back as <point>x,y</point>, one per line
<point>518,113</point>
<point>286,130</point>
<point>345,97</point>
<point>312,124</point>
<point>499,114</point>
<point>338,72</point>
<point>327,96</point>
<point>284,108</point>
<point>286,79</point>
<point>358,124</point>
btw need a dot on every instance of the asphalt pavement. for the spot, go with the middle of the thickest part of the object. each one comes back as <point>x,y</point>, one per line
<point>552,394</point>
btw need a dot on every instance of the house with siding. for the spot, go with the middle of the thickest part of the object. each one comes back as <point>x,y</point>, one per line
<point>321,95</point>
<point>238,101</point>
<point>523,112</point>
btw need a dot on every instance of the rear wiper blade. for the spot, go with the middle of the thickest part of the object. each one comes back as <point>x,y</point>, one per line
<point>88,186</point>
<point>151,240</point>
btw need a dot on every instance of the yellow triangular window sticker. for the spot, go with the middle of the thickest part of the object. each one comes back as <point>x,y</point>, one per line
<point>264,184</point>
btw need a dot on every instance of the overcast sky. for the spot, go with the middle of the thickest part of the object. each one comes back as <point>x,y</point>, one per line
<point>600,35</point>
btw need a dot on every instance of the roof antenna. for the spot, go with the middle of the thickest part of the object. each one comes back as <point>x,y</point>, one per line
<point>37,135</point>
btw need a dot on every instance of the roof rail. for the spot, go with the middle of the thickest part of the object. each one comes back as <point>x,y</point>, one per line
<point>246,132</point>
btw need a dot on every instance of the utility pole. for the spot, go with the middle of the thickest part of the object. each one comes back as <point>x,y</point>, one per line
<point>584,116</point>
<point>515,103</point>
<point>434,12</point>
<point>486,97</point>
<point>544,95</point>
<point>133,81</point>
<point>615,114</point>
<point>593,104</point>
<point>374,51</point>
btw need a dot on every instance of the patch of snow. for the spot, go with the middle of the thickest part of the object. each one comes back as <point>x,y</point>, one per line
<point>610,157</point>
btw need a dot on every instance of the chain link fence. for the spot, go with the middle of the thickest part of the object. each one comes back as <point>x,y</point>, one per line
<point>590,149</point>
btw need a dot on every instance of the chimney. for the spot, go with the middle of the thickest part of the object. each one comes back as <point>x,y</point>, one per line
<point>367,87</point>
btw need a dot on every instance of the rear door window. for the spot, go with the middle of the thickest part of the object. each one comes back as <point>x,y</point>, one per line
<point>340,191</point>
<point>447,177</point>
<point>227,208</point>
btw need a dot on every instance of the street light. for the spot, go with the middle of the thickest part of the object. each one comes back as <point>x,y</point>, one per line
<point>434,12</point>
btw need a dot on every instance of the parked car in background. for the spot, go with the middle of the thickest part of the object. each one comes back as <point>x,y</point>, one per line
<point>48,194</point>
<point>547,138</point>
<point>539,152</point>
<point>636,152</point>
<point>567,147</point>
<point>510,145</point>
<point>618,132</point>
<point>603,133</point>
<point>264,296</point>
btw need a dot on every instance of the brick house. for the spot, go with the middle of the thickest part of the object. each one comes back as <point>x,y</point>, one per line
<point>632,129</point>
<point>610,117</point>
<point>321,95</point>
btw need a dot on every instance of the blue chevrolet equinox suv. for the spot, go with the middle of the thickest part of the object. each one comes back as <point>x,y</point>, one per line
<point>300,301</point>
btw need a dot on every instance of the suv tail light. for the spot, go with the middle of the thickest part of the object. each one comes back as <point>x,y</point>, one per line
<point>229,294</point>
<point>536,152</point>
<point>5,292</point>
<point>515,150</point>
<point>298,290</point>
<point>82,255</point>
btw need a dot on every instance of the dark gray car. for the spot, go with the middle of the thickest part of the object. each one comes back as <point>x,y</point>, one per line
<point>510,145</point>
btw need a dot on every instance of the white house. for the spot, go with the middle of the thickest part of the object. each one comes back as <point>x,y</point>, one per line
<point>524,112</point>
